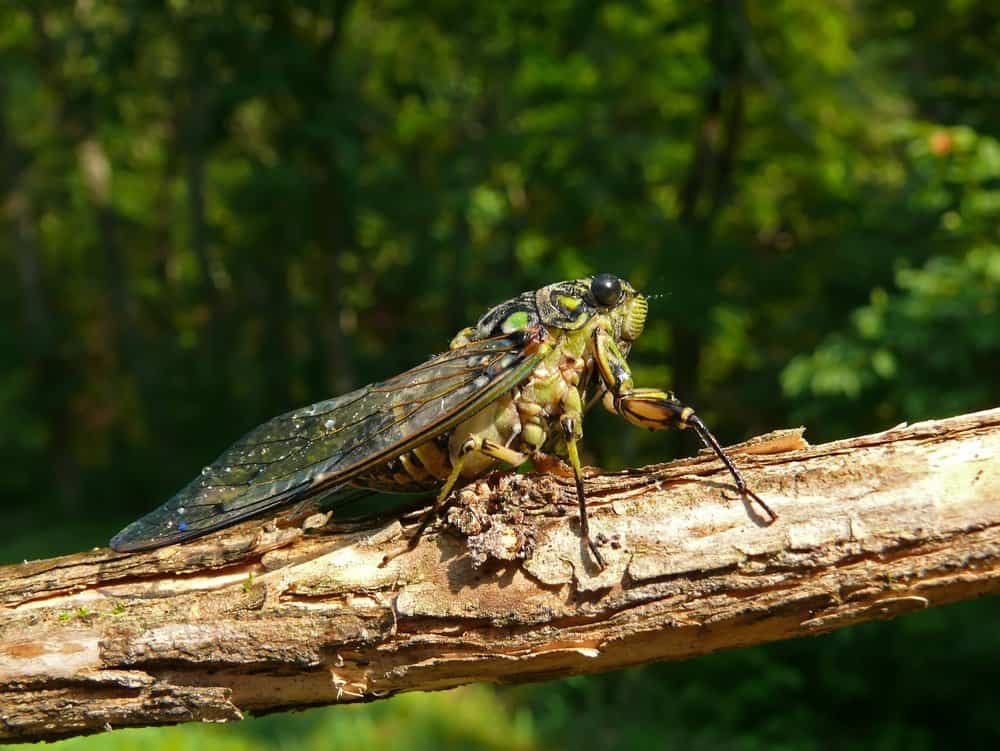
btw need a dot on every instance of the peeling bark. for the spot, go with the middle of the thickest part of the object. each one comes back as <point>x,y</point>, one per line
<point>260,618</point>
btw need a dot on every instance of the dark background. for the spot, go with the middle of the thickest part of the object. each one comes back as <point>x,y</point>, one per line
<point>212,211</point>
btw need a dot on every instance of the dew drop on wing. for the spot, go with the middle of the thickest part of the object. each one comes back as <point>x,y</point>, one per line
<point>329,424</point>
<point>182,527</point>
<point>206,470</point>
<point>181,510</point>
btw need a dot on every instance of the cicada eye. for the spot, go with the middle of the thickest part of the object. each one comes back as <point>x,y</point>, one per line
<point>606,289</point>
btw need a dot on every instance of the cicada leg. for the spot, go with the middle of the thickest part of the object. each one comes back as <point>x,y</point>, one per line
<point>655,409</point>
<point>572,433</point>
<point>571,423</point>
<point>471,445</point>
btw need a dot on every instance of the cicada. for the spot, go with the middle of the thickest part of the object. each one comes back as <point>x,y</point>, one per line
<point>511,388</point>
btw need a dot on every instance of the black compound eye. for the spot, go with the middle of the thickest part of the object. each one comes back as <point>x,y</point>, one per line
<point>606,289</point>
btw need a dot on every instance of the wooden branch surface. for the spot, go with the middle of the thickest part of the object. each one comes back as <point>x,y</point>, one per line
<point>260,618</point>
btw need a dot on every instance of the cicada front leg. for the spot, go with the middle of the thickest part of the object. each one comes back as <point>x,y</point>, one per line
<point>656,409</point>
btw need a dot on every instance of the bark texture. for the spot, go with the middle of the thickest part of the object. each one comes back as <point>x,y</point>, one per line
<point>260,618</point>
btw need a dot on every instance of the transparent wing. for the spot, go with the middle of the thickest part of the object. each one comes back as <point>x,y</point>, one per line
<point>318,449</point>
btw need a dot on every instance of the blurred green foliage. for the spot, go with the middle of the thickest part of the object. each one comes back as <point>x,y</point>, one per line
<point>213,210</point>
<point>469,717</point>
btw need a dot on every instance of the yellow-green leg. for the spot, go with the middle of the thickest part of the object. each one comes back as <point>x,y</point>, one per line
<point>656,409</point>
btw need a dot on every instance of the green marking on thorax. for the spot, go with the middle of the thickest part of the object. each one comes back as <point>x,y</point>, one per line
<point>569,303</point>
<point>574,343</point>
<point>515,321</point>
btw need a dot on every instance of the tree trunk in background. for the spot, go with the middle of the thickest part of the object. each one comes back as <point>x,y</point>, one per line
<point>50,384</point>
<point>195,125</point>
<point>339,211</point>
<point>706,188</point>
<point>339,358</point>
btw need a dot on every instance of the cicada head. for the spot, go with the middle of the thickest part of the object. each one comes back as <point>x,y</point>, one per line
<point>574,304</point>
<point>603,300</point>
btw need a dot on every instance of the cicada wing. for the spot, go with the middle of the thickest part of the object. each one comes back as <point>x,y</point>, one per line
<point>318,449</point>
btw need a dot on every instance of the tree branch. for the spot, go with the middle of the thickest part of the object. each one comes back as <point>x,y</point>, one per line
<point>261,618</point>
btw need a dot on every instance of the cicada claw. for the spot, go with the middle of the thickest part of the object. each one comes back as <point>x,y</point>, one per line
<point>748,495</point>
